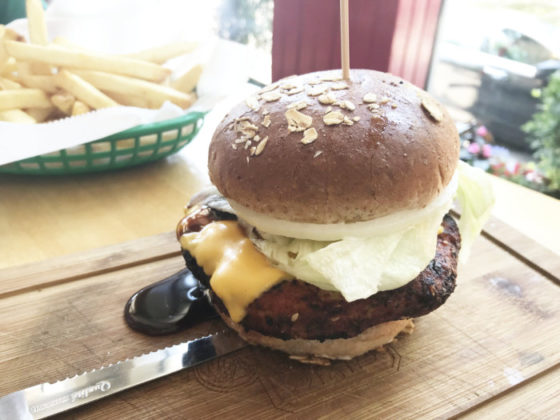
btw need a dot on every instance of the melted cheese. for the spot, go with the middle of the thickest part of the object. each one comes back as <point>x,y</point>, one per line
<point>239,273</point>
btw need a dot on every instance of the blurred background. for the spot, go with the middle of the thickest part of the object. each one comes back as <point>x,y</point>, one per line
<point>495,66</point>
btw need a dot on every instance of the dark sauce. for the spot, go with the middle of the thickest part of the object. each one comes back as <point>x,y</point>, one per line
<point>169,305</point>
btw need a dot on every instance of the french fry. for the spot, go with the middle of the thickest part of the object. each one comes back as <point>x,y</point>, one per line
<point>41,114</point>
<point>23,98</point>
<point>7,84</point>
<point>8,67</point>
<point>83,90</point>
<point>78,59</point>
<point>64,102</point>
<point>23,68</point>
<point>3,54</point>
<point>7,63</point>
<point>187,82</point>
<point>161,54</point>
<point>9,34</point>
<point>129,100</point>
<point>155,94</point>
<point>63,42</point>
<point>36,22</point>
<point>41,81</point>
<point>37,27</point>
<point>80,108</point>
<point>3,61</point>
<point>3,58</point>
<point>16,116</point>
<point>45,83</point>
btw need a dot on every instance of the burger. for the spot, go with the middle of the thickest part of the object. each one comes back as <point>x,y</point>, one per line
<point>327,228</point>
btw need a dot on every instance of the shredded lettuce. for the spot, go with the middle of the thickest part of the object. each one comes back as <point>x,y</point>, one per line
<point>476,198</point>
<point>359,267</point>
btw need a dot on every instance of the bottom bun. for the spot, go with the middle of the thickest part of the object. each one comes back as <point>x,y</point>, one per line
<point>321,352</point>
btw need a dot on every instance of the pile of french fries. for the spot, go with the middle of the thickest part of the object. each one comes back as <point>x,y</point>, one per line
<point>42,81</point>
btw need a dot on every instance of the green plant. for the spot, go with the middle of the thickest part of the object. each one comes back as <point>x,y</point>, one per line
<point>544,132</point>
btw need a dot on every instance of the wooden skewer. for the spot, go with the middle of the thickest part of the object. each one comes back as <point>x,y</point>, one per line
<point>344,40</point>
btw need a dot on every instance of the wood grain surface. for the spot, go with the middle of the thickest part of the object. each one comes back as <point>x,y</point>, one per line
<point>496,337</point>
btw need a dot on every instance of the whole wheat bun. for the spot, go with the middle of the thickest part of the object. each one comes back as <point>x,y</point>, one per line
<point>321,352</point>
<point>396,149</point>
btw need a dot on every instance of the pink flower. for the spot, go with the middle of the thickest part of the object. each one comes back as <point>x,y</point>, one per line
<point>486,151</point>
<point>474,148</point>
<point>531,176</point>
<point>512,166</point>
<point>482,131</point>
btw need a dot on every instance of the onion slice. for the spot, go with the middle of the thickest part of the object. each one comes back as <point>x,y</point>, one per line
<point>335,231</point>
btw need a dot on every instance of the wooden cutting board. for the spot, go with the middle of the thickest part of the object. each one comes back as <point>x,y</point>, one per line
<point>494,347</point>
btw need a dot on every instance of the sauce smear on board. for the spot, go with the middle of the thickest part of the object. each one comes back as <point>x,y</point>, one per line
<point>169,305</point>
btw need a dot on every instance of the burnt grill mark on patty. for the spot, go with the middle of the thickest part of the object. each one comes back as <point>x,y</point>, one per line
<point>326,314</point>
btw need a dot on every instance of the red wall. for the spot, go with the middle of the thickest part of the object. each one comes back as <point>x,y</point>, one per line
<point>413,39</point>
<point>386,35</point>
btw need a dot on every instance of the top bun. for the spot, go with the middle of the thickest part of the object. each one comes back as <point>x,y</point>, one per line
<point>317,149</point>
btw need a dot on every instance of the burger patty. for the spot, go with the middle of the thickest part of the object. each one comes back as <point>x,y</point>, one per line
<point>295,309</point>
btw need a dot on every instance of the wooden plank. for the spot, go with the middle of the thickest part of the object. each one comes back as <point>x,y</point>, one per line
<point>500,327</point>
<point>530,212</point>
<point>539,400</point>
<point>47,217</point>
<point>76,326</point>
<point>75,266</point>
<point>519,245</point>
<point>524,248</point>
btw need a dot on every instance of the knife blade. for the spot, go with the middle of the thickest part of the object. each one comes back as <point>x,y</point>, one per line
<point>47,399</point>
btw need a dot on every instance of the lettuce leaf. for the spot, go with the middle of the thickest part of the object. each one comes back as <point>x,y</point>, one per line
<point>358,267</point>
<point>476,199</point>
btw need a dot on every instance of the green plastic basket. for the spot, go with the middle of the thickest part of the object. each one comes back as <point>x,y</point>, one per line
<point>137,145</point>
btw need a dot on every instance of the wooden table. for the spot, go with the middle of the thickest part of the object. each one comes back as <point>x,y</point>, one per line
<point>493,350</point>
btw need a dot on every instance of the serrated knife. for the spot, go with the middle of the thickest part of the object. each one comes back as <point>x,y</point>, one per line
<point>47,399</point>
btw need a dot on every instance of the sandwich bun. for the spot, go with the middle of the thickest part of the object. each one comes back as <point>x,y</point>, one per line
<point>396,150</point>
